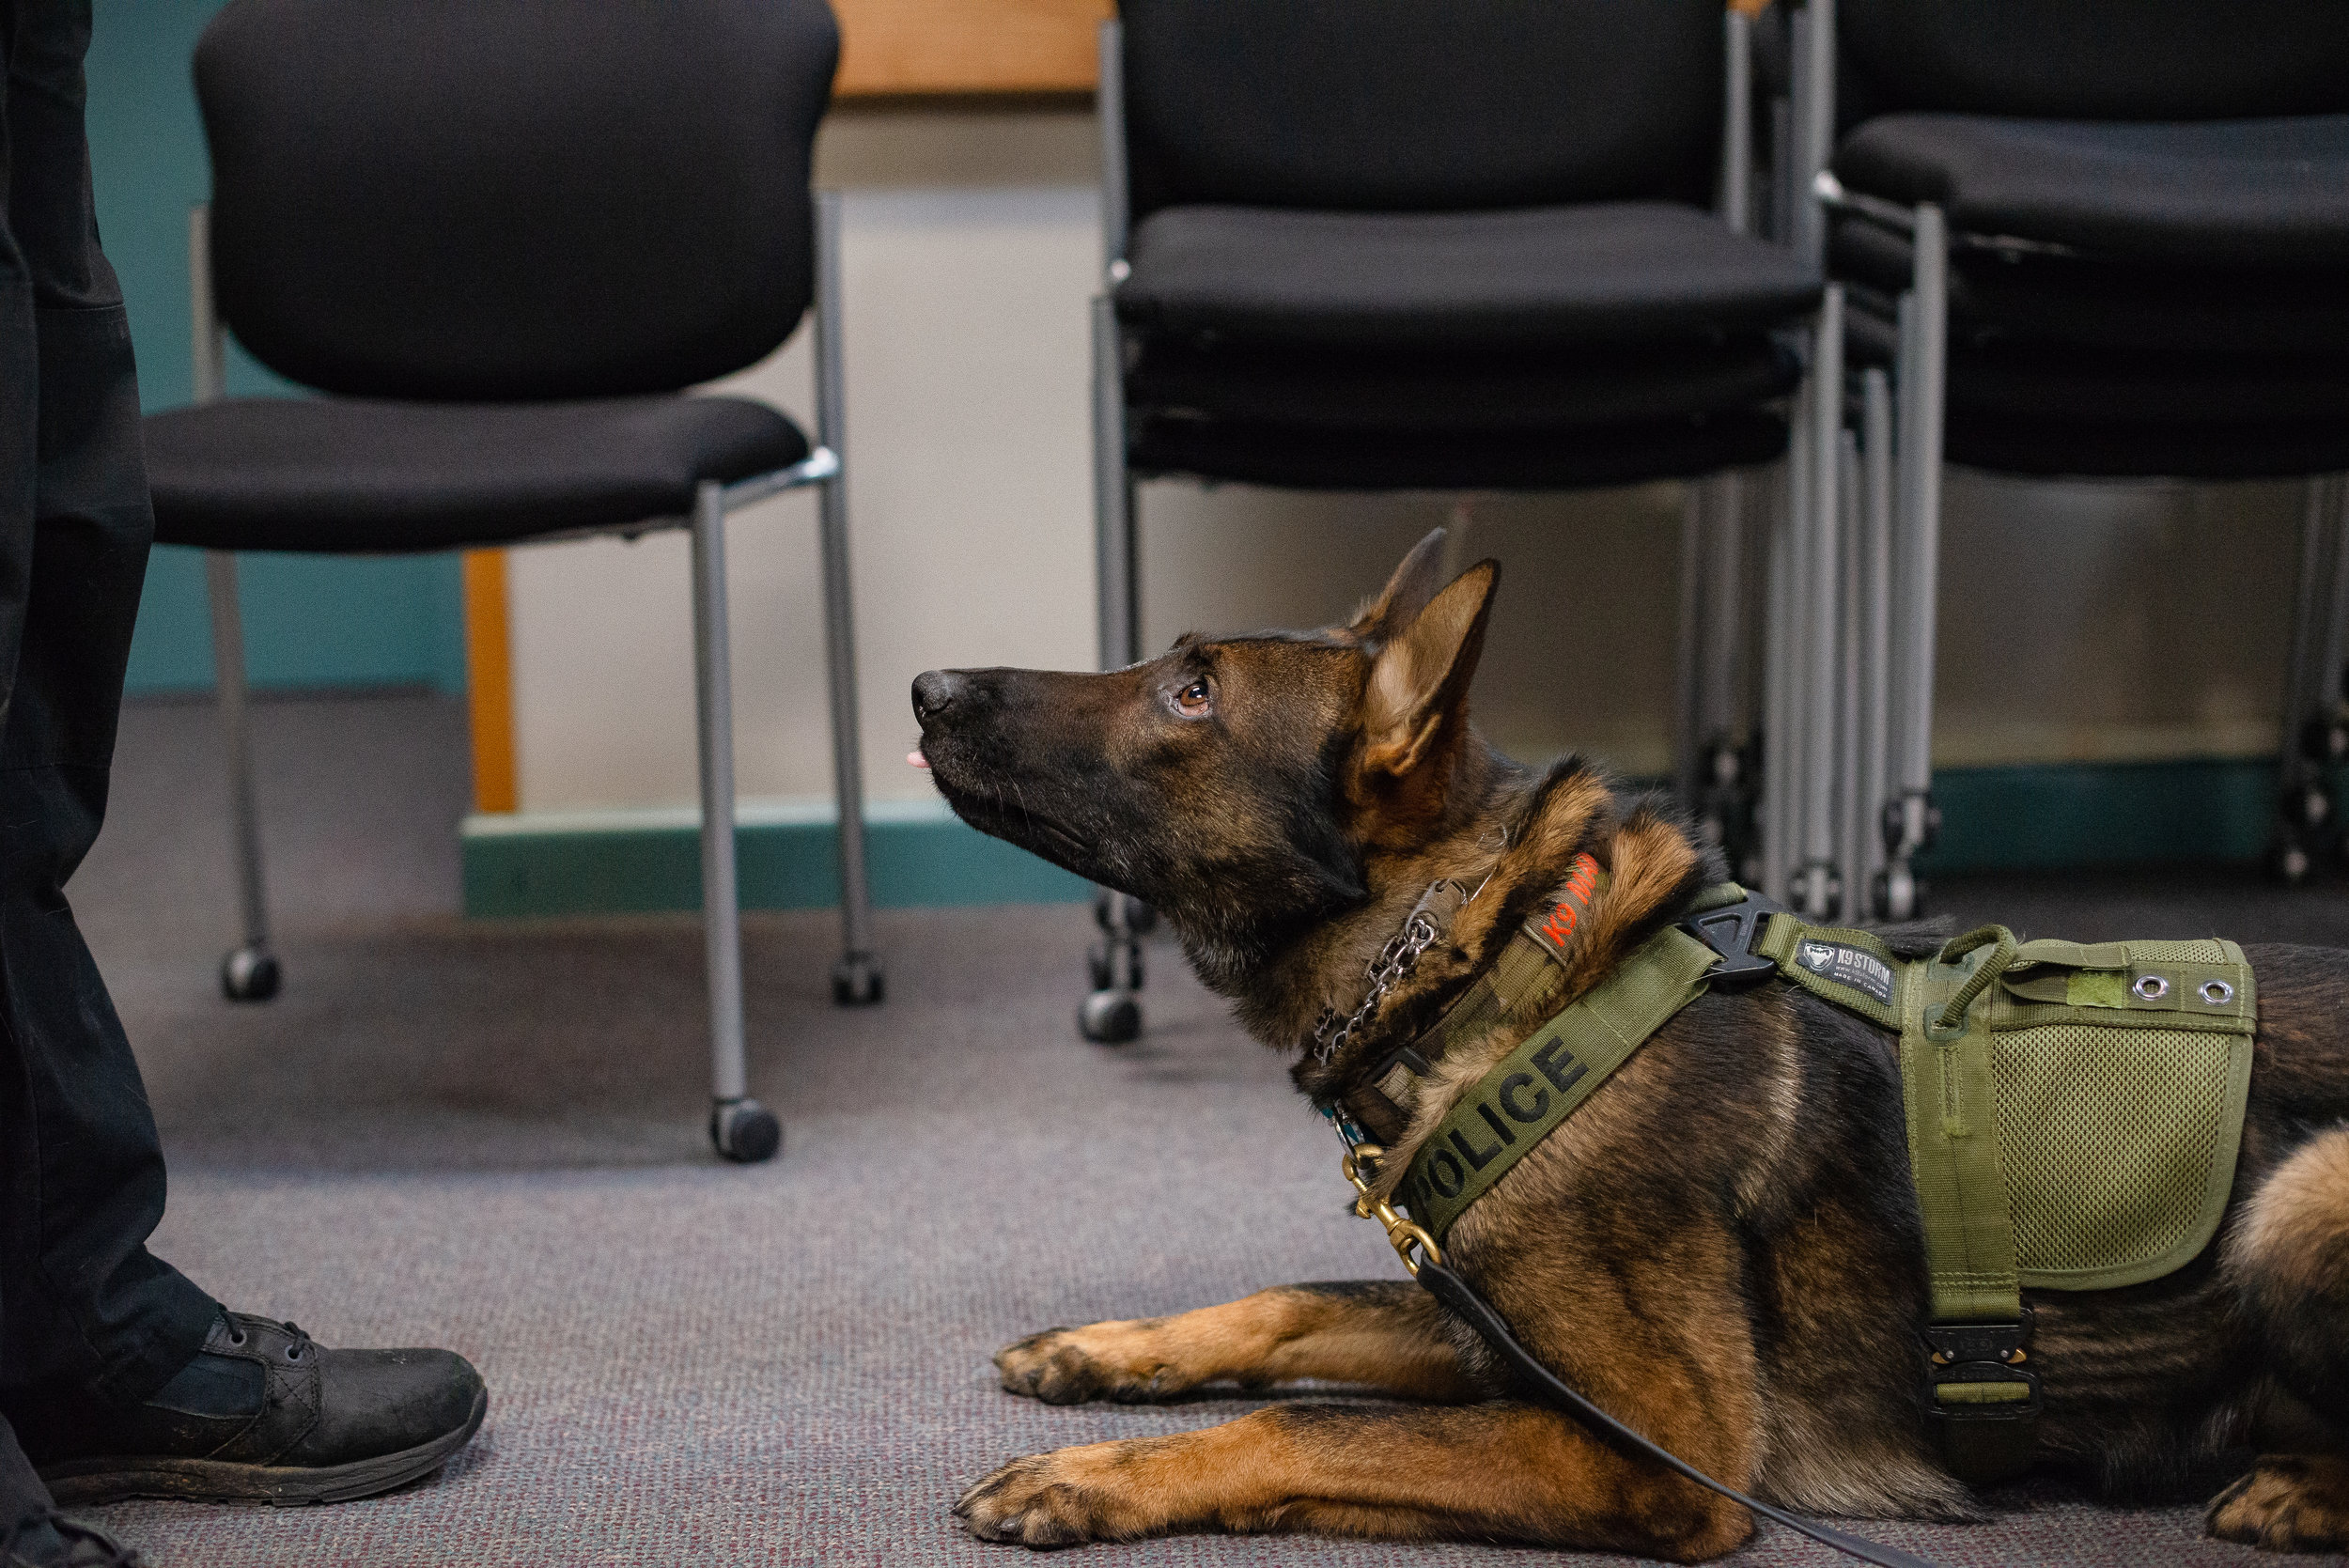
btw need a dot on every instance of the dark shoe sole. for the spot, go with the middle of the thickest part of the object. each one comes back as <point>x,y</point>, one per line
<point>113,1478</point>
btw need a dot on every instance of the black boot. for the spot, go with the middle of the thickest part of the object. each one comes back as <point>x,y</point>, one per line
<point>53,1540</point>
<point>266,1414</point>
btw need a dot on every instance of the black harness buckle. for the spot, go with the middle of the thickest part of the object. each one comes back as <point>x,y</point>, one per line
<point>1984,1439</point>
<point>1731,932</point>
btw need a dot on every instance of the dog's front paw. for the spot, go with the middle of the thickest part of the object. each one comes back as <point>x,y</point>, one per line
<point>2287,1503</point>
<point>1055,1500</point>
<point>1069,1366</point>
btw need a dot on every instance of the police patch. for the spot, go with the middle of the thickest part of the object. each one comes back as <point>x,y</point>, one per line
<point>1854,966</point>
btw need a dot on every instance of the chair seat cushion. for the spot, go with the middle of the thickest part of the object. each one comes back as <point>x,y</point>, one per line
<point>1571,457</point>
<point>2130,389</point>
<point>2049,448</point>
<point>1318,388</point>
<point>2084,387</point>
<point>2058,412</point>
<point>2020,297</point>
<point>2226,193</point>
<point>1614,272</point>
<point>325,475</point>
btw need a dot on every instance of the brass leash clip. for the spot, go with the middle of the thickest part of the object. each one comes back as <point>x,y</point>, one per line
<point>1360,1166</point>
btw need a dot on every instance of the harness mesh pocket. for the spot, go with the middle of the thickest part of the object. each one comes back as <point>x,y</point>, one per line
<point>2118,1145</point>
<point>2179,953</point>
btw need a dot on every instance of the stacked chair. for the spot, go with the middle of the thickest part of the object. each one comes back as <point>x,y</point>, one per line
<point>2084,240</point>
<point>502,240</point>
<point>1434,246</point>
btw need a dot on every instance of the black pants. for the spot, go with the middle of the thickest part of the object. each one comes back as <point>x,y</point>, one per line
<point>85,1313</point>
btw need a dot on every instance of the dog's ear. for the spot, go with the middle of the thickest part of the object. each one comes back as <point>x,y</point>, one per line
<point>1406,592</point>
<point>1419,682</point>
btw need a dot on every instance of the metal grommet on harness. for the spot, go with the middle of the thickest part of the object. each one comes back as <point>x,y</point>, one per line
<point>2218,992</point>
<point>2153,987</point>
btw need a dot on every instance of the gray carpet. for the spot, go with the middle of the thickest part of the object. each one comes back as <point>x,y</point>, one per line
<point>490,1137</point>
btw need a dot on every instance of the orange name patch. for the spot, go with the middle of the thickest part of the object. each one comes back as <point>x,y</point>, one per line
<point>1581,881</point>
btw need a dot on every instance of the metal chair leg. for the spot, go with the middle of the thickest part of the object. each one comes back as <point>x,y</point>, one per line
<point>1724,789</point>
<point>2315,737</point>
<point>743,1130</point>
<point>1110,1014</point>
<point>1688,731</point>
<point>250,972</point>
<point>1113,496</point>
<point>1817,888</point>
<point>1875,630</point>
<point>1911,824</point>
<point>2328,731</point>
<point>856,979</point>
<point>1851,823</point>
<point>1813,37</point>
<point>1779,712</point>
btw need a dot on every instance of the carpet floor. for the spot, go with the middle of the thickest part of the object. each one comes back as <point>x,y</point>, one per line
<point>489,1136</point>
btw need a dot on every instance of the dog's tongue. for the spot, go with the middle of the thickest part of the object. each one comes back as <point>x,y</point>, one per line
<point>916,758</point>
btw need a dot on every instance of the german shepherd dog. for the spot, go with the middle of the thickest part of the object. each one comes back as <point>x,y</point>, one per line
<point>1721,1246</point>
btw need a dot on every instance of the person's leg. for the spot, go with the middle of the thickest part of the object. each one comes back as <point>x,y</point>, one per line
<point>33,1534</point>
<point>120,1377</point>
<point>20,395</point>
<point>24,1501</point>
<point>90,1311</point>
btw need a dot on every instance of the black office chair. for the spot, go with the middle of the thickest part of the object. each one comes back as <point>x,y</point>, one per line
<point>1424,244</point>
<point>2099,240</point>
<point>502,238</point>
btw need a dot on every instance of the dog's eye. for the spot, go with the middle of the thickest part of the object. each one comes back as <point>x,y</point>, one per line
<point>1191,700</point>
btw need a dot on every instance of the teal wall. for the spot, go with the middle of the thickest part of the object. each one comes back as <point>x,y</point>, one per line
<point>2103,813</point>
<point>309,620</point>
<point>915,855</point>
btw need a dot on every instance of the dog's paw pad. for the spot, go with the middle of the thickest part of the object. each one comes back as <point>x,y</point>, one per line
<point>2286,1503</point>
<point>1029,1502</point>
<point>1060,1367</point>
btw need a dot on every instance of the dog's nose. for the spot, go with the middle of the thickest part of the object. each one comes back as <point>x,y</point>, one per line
<point>935,691</point>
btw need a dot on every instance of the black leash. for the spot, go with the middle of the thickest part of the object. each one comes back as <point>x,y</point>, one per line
<point>1454,1293</point>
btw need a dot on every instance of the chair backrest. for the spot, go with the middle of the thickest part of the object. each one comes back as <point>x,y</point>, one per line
<point>1421,104</point>
<point>2099,59</point>
<point>508,199</point>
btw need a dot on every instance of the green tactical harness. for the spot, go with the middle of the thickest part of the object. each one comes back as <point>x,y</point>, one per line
<point>2073,1111</point>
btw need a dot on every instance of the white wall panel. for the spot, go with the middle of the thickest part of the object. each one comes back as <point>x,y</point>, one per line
<point>970,518</point>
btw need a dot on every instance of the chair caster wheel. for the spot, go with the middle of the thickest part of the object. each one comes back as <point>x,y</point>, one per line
<point>249,974</point>
<point>1899,896</point>
<point>1109,1018</point>
<point>856,981</point>
<point>745,1131</point>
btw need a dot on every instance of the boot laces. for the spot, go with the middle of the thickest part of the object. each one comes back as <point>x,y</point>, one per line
<point>303,1343</point>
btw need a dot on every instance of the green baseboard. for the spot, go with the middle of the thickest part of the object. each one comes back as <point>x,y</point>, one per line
<point>2103,813</point>
<point>633,861</point>
<point>917,853</point>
